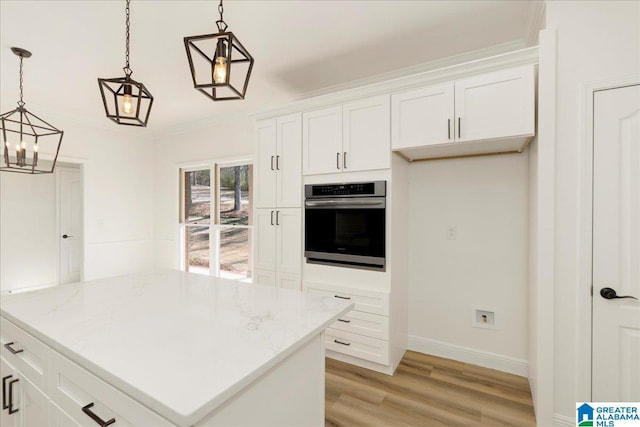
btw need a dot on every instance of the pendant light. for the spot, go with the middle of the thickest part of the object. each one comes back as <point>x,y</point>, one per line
<point>126,101</point>
<point>223,73</point>
<point>23,134</point>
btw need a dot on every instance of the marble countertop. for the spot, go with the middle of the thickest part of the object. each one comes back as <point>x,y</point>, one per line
<point>178,342</point>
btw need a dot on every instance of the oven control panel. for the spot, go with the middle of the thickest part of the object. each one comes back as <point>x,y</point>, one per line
<point>355,189</point>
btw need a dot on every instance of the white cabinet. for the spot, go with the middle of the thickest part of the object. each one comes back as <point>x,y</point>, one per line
<point>23,404</point>
<point>351,137</point>
<point>364,331</point>
<point>278,247</point>
<point>488,113</point>
<point>278,170</point>
<point>10,416</point>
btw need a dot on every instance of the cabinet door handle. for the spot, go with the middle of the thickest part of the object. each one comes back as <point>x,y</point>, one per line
<point>271,217</point>
<point>277,217</point>
<point>448,128</point>
<point>459,128</point>
<point>277,162</point>
<point>341,342</point>
<point>344,160</point>
<point>87,410</point>
<point>341,297</point>
<point>5,403</point>
<point>338,161</point>
<point>11,410</point>
<point>272,157</point>
<point>11,349</point>
<point>344,320</point>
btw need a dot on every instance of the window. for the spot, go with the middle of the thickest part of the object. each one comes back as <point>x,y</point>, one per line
<point>218,244</point>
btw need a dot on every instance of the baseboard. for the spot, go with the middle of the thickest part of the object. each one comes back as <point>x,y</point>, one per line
<point>562,421</point>
<point>469,355</point>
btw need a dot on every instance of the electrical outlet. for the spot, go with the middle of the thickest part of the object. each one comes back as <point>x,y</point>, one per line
<point>452,232</point>
<point>483,317</point>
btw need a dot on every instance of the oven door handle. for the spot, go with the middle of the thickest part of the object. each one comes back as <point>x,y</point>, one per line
<point>344,204</point>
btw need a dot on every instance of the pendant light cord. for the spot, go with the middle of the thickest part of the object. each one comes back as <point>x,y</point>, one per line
<point>222,26</point>
<point>21,102</point>
<point>126,69</point>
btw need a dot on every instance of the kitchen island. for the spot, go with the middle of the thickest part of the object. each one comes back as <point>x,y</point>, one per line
<point>167,348</point>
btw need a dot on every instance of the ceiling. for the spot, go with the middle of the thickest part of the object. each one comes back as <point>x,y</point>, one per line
<point>301,48</point>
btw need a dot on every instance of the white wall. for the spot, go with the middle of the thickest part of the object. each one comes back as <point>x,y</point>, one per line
<point>232,139</point>
<point>595,41</point>
<point>486,199</point>
<point>118,193</point>
<point>28,243</point>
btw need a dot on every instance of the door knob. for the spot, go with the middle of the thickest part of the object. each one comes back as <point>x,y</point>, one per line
<point>66,236</point>
<point>609,293</point>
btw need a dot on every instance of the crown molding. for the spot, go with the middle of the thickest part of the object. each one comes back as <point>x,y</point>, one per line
<point>535,22</point>
<point>454,70</point>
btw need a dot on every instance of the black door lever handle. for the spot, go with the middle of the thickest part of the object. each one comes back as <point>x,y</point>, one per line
<point>609,293</point>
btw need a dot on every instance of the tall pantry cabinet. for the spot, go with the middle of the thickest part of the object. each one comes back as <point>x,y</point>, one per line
<point>278,201</point>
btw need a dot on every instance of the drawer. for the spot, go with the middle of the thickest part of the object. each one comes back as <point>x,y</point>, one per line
<point>74,387</point>
<point>356,345</point>
<point>368,301</point>
<point>26,353</point>
<point>367,324</point>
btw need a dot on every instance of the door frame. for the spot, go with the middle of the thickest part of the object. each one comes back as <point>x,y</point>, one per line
<point>80,166</point>
<point>585,229</point>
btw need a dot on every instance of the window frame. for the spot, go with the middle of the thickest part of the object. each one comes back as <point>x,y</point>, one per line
<point>214,226</point>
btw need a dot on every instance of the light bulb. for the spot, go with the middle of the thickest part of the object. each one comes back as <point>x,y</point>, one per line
<point>220,70</point>
<point>7,144</point>
<point>17,147</point>
<point>35,148</point>
<point>23,145</point>
<point>127,104</point>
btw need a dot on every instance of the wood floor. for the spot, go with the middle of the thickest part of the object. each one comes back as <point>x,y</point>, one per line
<point>425,391</point>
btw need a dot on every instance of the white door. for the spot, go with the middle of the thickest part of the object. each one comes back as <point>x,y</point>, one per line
<point>288,241</point>
<point>70,204</point>
<point>322,141</point>
<point>422,117</point>
<point>265,168</point>
<point>616,245</point>
<point>34,405</point>
<point>289,161</point>
<point>495,105</point>
<point>366,141</point>
<point>9,375</point>
<point>264,239</point>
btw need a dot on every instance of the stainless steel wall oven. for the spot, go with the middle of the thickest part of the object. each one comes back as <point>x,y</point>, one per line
<point>345,224</point>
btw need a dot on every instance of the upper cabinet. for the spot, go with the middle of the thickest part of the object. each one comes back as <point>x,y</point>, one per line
<point>489,113</point>
<point>278,172</point>
<point>352,137</point>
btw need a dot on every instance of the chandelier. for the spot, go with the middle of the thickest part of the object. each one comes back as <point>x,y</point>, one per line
<point>28,132</point>
<point>223,73</point>
<point>126,101</point>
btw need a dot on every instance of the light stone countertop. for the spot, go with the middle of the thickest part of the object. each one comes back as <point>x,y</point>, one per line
<point>178,342</point>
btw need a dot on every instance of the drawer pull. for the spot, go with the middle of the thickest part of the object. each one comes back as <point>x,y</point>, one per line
<point>343,320</point>
<point>11,410</point>
<point>5,405</point>
<point>341,342</point>
<point>87,410</point>
<point>341,297</point>
<point>11,349</point>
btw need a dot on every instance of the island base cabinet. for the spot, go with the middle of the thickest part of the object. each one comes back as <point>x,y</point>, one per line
<point>76,388</point>
<point>290,394</point>
<point>23,404</point>
<point>59,418</point>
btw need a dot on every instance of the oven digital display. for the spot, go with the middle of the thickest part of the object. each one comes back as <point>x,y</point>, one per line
<point>344,189</point>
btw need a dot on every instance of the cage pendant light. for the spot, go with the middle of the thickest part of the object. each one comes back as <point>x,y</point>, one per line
<point>220,65</point>
<point>24,135</point>
<point>126,101</point>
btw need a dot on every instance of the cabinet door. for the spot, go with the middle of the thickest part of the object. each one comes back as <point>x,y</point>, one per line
<point>495,105</point>
<point>422,117</point>
<point>264,277</point>
<point>289,161</point>
<point>366,134</point>
<point>34,405</point>
<point>322,141</point>
<point>59,418</point>
<point>289,281</point>
<point>8,374</point>
<point>289,240</point>
<point>264,181</point>
<point>265,239</point>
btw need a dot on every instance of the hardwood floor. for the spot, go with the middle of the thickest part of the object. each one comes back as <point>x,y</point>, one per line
<point>425,391</point>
